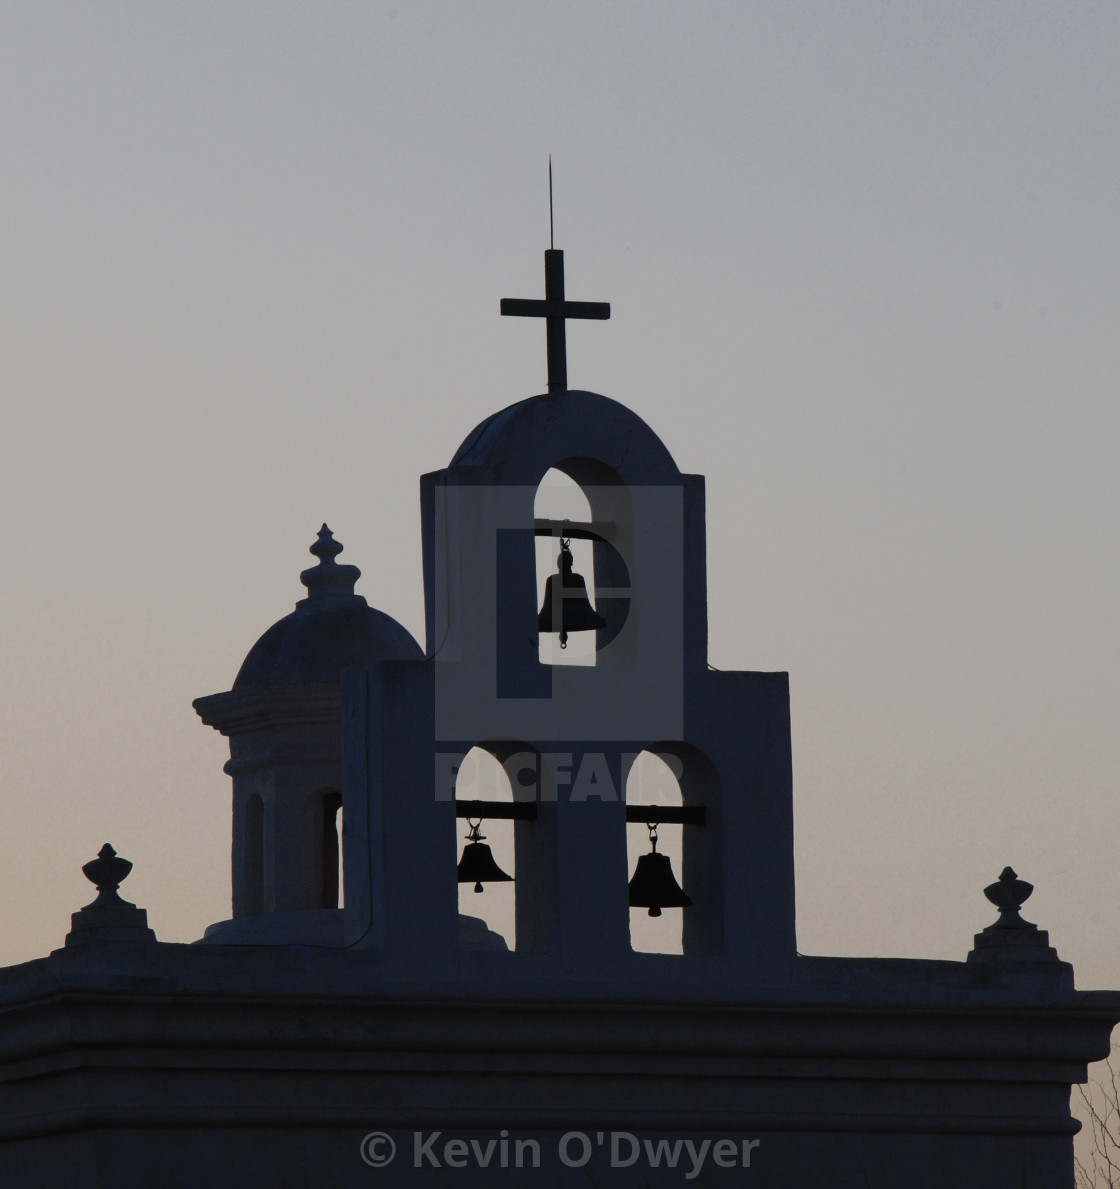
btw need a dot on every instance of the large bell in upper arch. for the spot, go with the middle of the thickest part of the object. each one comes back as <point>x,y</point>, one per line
<point>566,607</point>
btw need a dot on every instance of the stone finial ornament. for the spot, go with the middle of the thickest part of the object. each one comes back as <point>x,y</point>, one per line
<point>108,918</point>
<point>107,872</point>
<point>1010,937</point>
<point>328,579</point>
<point>1008,894</point>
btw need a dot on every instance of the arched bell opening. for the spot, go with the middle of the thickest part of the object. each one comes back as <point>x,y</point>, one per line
<point>322,849</point>
<point>702,858</point>
<point>655,928</point>
<point>590,496</point>
<point>486,851</point>
<point>560,498</point>
<point>613,522</point>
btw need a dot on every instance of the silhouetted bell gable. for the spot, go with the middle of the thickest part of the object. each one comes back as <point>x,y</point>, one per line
<point>350,1011</point>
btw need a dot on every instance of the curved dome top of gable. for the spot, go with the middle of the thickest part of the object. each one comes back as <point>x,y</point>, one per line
<point>520,443</point>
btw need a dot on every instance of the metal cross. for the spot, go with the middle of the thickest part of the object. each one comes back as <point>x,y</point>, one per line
<point>555,310</point>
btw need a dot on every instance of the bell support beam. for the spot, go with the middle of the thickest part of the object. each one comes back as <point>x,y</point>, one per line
<point>688,815</point>
<point>522,811</point>
<point>526,811</point>
<point>603,530</point>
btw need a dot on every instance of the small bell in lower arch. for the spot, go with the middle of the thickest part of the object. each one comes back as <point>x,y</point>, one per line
<point>653,885</point>
<point>477,863</point>
<point>566,607</point>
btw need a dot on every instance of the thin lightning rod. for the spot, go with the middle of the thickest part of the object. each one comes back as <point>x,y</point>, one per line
<point>551,235</point>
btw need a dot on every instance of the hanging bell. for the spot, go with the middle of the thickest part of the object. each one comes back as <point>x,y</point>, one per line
<point>566,607</point>
<point>477,863</point>
<point>653,885</point>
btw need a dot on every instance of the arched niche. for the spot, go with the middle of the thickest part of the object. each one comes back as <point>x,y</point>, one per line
<point>252,857</point>
<point>676,773</point>
<point>330,807</point>
<point>586,492</point>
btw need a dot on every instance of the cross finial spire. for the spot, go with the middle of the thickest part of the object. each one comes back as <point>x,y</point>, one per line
<point>555,309</point>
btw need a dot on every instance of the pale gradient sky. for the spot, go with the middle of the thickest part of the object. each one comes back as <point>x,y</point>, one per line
<point>865,275</point>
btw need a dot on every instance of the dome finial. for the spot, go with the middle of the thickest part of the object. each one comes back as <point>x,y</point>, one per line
<point>326,546</point>
<point>328,579</point>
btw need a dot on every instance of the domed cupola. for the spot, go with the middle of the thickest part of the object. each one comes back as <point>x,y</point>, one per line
<point>282,718</point>
<point>332,628</point>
